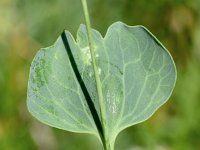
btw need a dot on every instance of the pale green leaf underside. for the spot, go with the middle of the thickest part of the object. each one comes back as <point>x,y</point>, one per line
<point>137,75</point>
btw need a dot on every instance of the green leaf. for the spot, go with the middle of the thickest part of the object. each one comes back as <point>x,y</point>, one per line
<point>137,76</point>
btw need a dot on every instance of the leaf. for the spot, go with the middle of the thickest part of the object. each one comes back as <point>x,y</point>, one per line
<point>137,76</point>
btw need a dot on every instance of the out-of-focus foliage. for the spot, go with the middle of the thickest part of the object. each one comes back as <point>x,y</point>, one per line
<point>27,25</point>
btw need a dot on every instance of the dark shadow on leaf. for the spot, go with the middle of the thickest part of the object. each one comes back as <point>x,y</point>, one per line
<point>82,85</point>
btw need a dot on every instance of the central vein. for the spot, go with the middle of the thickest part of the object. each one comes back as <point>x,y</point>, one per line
<point>97,78</point>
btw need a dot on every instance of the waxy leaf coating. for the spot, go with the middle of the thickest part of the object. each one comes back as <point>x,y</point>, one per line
<point>137,76</point>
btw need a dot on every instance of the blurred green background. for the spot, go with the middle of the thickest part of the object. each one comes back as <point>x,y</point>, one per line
<point>27,25</point>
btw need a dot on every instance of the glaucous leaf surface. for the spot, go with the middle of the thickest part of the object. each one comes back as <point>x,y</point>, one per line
<point>137,76</point>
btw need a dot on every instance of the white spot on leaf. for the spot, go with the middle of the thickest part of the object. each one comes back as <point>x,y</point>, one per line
<point>111,99</point>
<point>90,74</point>
<point>86,55</point>
<point>99,71</point>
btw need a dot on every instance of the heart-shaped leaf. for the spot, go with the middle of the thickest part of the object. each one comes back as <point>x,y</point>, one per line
<point>137,75</point>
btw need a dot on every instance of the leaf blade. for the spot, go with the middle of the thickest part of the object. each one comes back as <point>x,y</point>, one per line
<point>136,72</point>
<point>140,68</point>
<point>55,58</point>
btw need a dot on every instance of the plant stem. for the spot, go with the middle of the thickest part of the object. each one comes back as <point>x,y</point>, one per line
<point>106,143</point>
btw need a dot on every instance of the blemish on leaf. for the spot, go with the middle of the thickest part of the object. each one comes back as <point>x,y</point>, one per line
<point>111,99</point>
<point>99,71</point>
<point>86,56</point>
<point>90,74</point>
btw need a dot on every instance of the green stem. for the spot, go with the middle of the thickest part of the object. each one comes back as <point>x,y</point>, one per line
<point>105,141</point>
